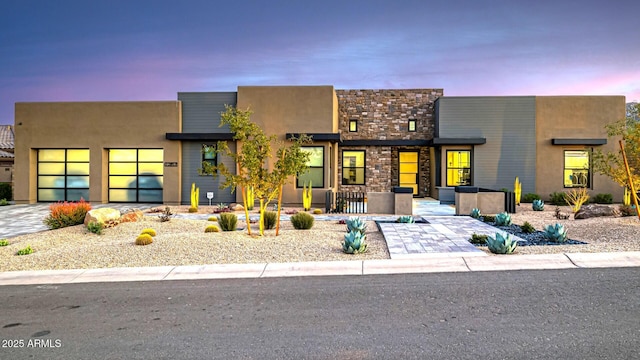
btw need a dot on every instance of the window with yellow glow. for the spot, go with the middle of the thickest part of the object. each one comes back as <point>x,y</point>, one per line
<point>353,125</point>
<point>353,167</point>
<point>63,174</point>
<point>136,175</point>
<point>576,168</point>
<point>412,125</point>
<point>315,172</point>
<point>458,167</point>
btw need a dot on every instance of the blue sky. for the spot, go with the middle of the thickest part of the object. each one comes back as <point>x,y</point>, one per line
<point>88,50</point>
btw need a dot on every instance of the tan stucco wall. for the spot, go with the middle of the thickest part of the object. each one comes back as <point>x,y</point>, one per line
<point>575,117</point>
<point>279,110</point>
<point>96,126</point>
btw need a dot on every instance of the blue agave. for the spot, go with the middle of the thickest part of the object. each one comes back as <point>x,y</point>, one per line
<point>354,223</point>
<point>556,233</point>
<point>503,219</point>
<point>354,243</point>
<point>475,213</point>
<point>537,205</point>
<point>406,219</point>
<point>501,244</point>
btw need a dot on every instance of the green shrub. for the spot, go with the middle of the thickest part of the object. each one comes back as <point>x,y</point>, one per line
<point>4,242</point>
<point>479,239</point>
<point>95,227</point>
<point>489,218</point>
<point>26,251</point>
<point>5,191</point>
<point>602,199</point>
<point>529,197</point>
<point>228,221</point>
<point>527,228</point>
<point>144,239</point>
<point>502,244</point>
<point>63,214</point>
<point>558,199</point>
<point>148,231</point>
<point>505,190</point>
<point>270,218</point>
<point>213,218</point>
<point>211,228</point>
<point>4,202</point>
<point>302,221</point>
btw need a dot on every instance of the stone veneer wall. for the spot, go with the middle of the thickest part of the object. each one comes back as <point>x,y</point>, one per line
<point>384,115</point>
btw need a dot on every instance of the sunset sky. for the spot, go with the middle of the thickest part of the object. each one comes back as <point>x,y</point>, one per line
<point>88,50</point>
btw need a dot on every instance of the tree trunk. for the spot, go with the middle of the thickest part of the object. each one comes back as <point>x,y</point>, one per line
<point>262,208</point>
<point>279,209</point>
<point>246,211</point>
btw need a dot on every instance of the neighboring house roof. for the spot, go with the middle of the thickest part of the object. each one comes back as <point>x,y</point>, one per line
<point>4,154</point>
<point>7,139</point>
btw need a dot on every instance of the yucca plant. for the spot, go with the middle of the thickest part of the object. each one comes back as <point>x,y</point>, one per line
<point>406,219</point>
<point>556,233</point>
<point>537,205</point>
<point>228,221</point>
<point>354,223</point>
<point>502,244</point>
<point>475,213</point>
<point>503,219</point>
<point>307,196</point>
<point>354,242</point>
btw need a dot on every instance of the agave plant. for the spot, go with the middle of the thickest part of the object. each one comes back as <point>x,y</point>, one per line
<point>503,219</point>
<point>475,213</point>
<point>354,242</point>
<point>537,205</point>
<point>501,244</point>
<point>556,233</point>
<point>354,223</point>
<point>406,219</point>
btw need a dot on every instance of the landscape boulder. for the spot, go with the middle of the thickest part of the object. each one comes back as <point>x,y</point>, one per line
<point>236,207</point>
<point>593,210</point>
<point>102,215</point>
<point>132,215</point>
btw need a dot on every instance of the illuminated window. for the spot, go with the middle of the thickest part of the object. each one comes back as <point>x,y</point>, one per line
<point>353,165</point>
<point>412,125</point>
<point>458,167</point>
<point>136,175</point>
<point>63,174</point>
<point>315,172</point>
<point>576,168</point>
<point>353,125</point>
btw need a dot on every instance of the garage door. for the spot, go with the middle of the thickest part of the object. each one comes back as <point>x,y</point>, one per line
<point>63,174</point>
<point>135,175</point>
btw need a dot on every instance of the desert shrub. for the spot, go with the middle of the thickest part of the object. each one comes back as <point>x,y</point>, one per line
<point>151,232</point>
<point>5,191</point>
<point>4,202</point>
<point>529,197</point>
<point>302,221</point>
<point>270,218</point>
<point>213,218</point>
<point>527,228</point>
<point>627,210</point>
<point>489,218</point>
<point>479,239</point>
<point>602,199</point>
<point>166,214</point>
<point>557,198</point>
<point>228,221</point>
<point>577,197</point>
<point>95,227</point>
<point>63,214</point>
<point>144,239</point>
<point>211,228</point>
<point>317,211</point>
<point>4,242</point>
<point>26,251</point>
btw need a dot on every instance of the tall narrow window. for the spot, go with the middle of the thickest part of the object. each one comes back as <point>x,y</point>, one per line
<point>353,165</point>
<point>209,156</point>
<point>412,125</point>
<point>576,168</point>
<point>458,167</point>
<point>315,173</point>
<point>353,125</point>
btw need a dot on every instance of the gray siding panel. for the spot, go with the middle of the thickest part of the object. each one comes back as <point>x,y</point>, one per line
<point>508,124</point>
<point>201,110</point>
<point>191,162</point>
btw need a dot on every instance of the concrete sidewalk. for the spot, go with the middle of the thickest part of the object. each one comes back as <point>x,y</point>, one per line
<point>435,263</point>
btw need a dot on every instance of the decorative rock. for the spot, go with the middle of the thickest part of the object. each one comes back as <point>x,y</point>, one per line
<point>102,215</point>
<point>237,207</point>
<point>592,210</point>
<point>132,216</point>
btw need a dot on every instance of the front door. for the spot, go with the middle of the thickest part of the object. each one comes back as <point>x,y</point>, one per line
<point>408,170</point>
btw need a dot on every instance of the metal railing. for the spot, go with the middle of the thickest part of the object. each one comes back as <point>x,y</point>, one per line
<point>345,202</point>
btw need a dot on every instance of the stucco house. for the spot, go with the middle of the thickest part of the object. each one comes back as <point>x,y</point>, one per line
<point>363,140</point>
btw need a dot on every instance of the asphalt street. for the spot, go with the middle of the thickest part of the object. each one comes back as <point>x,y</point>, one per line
<point>541,314</point>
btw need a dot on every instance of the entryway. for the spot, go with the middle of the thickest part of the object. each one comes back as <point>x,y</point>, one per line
<point>408,170</point>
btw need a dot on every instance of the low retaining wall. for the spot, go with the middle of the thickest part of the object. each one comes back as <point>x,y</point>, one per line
<point>488,201</point>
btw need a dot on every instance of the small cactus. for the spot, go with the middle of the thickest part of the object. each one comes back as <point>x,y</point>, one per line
<point>211,228</point>
<point>475,213</point>
<point>213,218</point>
<point>149,231</point>
<point>405,219</point>
<point>503,219</point>
<point>501,244</point>
<point>317,211</point>
<point>354,242</point>
<point>556,233</point>
<point>537,205</point>
<point>144,239</point>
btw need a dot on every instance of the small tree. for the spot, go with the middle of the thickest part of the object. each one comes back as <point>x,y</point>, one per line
<point>611,164</point>
<point>252,159</point>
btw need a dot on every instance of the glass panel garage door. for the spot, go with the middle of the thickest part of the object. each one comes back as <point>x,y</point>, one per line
<point>63,174</point>
<point>135,175</point>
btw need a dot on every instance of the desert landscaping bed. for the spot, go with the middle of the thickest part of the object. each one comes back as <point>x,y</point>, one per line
<point>183,242</point>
